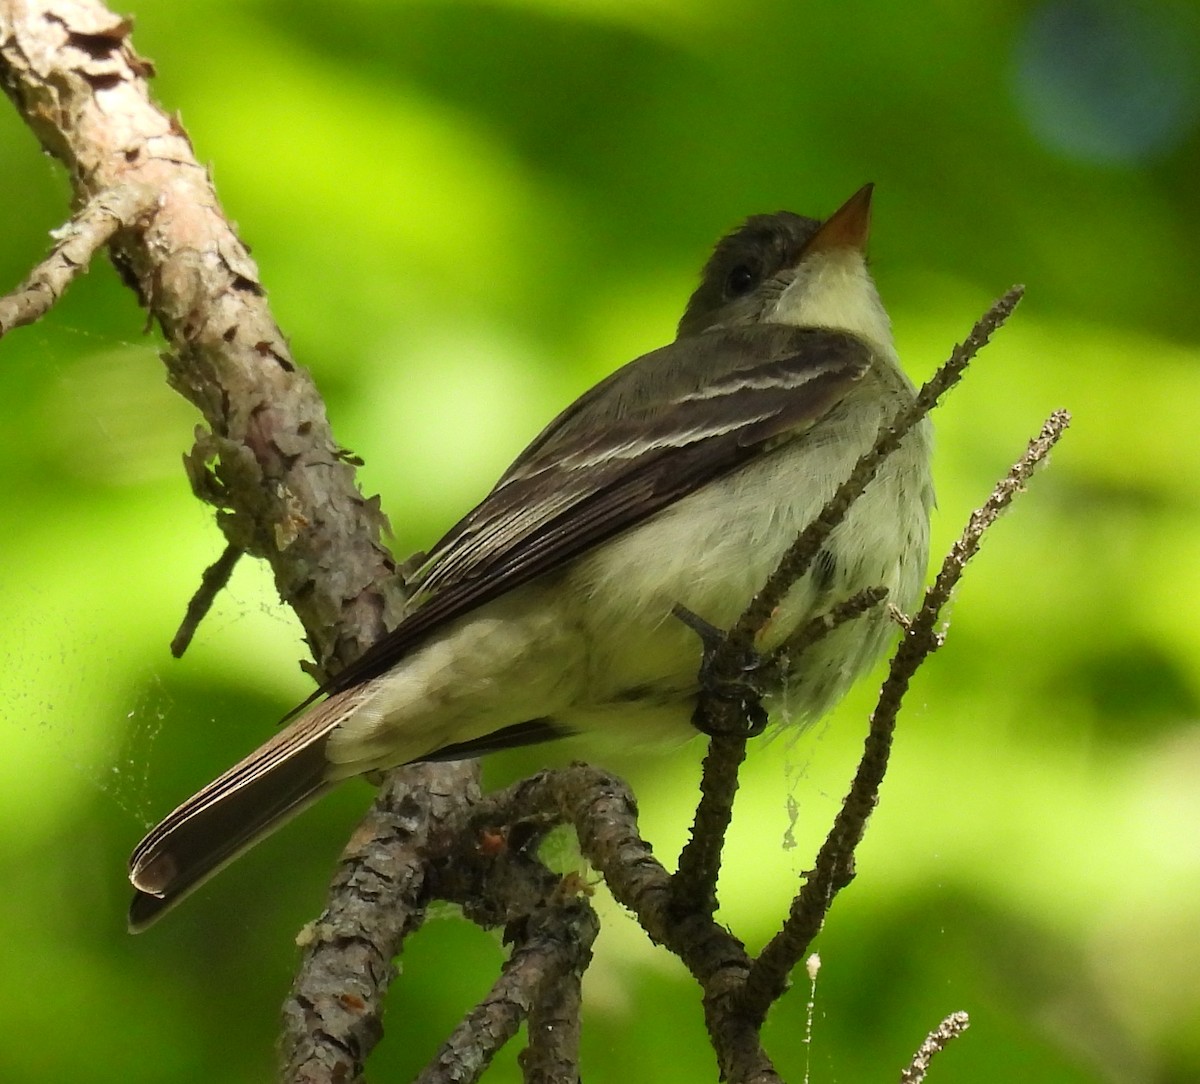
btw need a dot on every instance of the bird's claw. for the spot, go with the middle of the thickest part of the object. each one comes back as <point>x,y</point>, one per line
<point>737,679</point>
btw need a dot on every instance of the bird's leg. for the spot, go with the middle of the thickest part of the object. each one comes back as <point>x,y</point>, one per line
<point>739,676</point>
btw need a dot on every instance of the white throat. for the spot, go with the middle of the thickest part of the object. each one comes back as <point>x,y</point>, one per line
<point>835,290</point>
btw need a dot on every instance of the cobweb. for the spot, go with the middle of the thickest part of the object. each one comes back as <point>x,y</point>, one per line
<point>85,696</point>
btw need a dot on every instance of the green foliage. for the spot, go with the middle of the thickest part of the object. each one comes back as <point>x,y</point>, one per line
<point>465,214</point>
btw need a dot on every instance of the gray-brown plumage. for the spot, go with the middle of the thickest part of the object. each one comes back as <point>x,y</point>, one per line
<point>680,479</point>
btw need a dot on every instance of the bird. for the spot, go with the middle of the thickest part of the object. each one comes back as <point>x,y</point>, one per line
<point>672,486</point>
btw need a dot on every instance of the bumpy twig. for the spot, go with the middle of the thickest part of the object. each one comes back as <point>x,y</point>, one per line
<point>834,865</point>
<point>212,583</point>
<point>823,624</point>
<point>699,862</point>
<point>694,885</point>
<point>935,1042</point>
<point>74,246</point>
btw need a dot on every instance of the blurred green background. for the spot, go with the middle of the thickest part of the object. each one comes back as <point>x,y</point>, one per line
<point>467,213</point>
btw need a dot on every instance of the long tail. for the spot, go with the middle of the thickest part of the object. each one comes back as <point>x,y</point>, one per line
<point>257,795</point>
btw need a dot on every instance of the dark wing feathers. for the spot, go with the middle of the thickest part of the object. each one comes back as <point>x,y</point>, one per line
<point>651,433</point>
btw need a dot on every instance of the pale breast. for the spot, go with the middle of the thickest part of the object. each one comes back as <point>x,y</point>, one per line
<point>713,550</point>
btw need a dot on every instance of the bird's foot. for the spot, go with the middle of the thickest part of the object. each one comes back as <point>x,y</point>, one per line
<point>733,676</point>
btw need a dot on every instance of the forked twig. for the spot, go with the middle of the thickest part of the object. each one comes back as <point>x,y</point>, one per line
<point>694,883</point>
<point>538,983</point>
<point>833,869</point>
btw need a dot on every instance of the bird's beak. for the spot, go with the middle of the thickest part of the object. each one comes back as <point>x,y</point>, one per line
<point>847,227</point>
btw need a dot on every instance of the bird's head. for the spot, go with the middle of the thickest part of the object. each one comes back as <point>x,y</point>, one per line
<point>785,268</point>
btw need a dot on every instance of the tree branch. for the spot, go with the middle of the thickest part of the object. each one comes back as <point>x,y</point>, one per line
<point>266,459</point>
<point>699,862</point>
<point>74,246</point>
<point>332,1018</point>
<point>284,491</point>
<point>604,815</point>
<point>935,1042</point>
<point>834,868</point>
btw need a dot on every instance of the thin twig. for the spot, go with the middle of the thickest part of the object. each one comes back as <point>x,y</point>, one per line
<point>935,1042</point>
<point>1002,496</point>
<point>834,868</point>
<point>74,246</point>
<point>694,884</point>
<point>695,880</point>
<point>800,555</point>
<point>699,862</point>
<point>212,582</point>
<point>814,631</point>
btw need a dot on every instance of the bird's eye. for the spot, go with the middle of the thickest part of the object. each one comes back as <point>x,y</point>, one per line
<point>741,280</point>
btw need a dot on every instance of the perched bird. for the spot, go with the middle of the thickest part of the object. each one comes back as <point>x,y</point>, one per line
<point>679,480</point>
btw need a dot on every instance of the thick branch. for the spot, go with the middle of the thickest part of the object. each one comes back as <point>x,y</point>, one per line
<point>268,460</point>
<point>333,1017</point>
